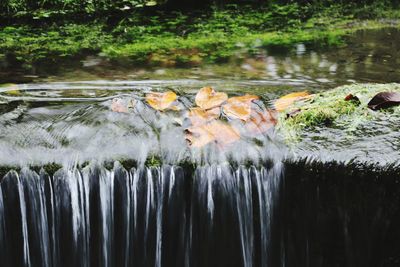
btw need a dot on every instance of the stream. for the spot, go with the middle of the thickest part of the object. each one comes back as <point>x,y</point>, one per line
<point>333,200</point>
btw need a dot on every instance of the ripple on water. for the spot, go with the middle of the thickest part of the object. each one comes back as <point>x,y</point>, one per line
<point>72,122</point>
<point>63,123</point>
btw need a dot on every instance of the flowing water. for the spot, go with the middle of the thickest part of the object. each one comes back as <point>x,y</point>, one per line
<point>139,217</point>
<point>248,204</point>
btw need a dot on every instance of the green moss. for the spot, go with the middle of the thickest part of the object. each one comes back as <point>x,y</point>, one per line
<point>5,169</point>
<point>153,161</point>
<point>329,109</point>
<point>51,168</point>
<point>181,39</point>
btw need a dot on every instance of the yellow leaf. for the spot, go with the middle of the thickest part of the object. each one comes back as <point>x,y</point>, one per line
<point>239,107</point>
<point>199,116</point>
<point>161,101</point>
<point>216,131</point>
<point>286,101</point>
<point>207,98</point>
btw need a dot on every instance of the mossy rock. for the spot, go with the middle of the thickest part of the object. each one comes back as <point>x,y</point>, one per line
<point>330,109</point>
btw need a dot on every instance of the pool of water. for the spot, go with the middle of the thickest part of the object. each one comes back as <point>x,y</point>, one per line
<point>366,56</point>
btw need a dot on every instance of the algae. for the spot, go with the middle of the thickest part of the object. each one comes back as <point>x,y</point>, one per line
<point>330,109</point>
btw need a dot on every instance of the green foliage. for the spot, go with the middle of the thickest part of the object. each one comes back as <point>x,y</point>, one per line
<point>153,161</point>
<point>30,46</point>
<point>182,38</point>
<point>39,9</point>
<point>46,8</point>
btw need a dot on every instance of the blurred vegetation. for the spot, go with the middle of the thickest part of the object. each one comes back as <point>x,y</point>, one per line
<point>48,8</point>
<point>36,32</point>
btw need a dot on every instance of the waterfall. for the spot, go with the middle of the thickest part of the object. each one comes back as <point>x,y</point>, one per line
<point>152,216</point>
<point>3,237</point>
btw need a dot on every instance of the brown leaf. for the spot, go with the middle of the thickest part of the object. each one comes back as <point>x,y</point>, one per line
<point>261,121</point>
<point>352,98</point>
<point>286,101</point>
<point>199,116</point>
<point>384,100</point>
<point>161,101</point>
<point>207,98</point>
<point>199,136</point>
<point>239,107</point>
<point>216,131</point>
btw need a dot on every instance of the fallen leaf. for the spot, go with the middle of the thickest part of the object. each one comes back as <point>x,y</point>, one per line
<point>162,101</point>
<point>207,98</point>
<point>239,107</point>
<point>199,136</point>
<point>225,133</point>
<point>199,116</point>
<point>384,100</point>
<point>216,131</point>
<point>118,105</point>
<point>286,101</point>
<point>351,97</point>
<point>261,121</point>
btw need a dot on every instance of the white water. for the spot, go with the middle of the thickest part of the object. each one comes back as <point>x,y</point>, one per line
<point>26,253</point>
<point>74,221</point>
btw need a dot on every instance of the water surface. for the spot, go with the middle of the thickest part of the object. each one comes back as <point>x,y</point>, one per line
<point>64,116</point>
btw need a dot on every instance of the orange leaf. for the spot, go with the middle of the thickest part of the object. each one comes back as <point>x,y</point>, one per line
<point>161,101</point>
<point>200,116</point>
<point>207,98</point>
<point>286,101</point>
<point>199,136</point>
<point>261,121</point>
<point>239,107</point>
<point>215,131</point>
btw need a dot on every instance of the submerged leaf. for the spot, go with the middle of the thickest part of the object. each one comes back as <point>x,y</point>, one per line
<point>199,136</point>
<point>384,100</point>
<point>207,98</point>
<point>239,107</point>
<point>199,116</point>
<point>286,101</point>
<point>216,131</point>
<point>261,121</point>
<point>161,101</point>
